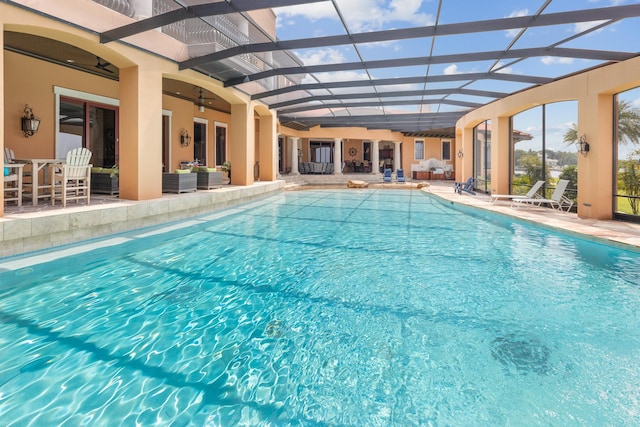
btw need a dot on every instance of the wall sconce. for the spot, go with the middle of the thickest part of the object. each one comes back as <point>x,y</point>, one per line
<point>185,139</point>
<point>583,145</point>
<point>460,153</point>
<point>30,123</point>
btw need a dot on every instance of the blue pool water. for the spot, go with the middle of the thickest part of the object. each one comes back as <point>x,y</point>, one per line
<point>350,308</point>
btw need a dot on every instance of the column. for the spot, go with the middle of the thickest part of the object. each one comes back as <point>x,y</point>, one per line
<point>268,154</point>
<point>242,152</point>
<point>140,159</point>
<point>595,190</point>
<point>375,156</point>
<point>337,156</point>
<point>500,167</point>
<point>397,161</point>
<point>294,156</point>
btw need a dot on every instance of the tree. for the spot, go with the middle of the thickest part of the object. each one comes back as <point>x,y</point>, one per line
<point>628,125</point>
<point>532,165</point>
<point>629,180</point>
<point>571,136</point>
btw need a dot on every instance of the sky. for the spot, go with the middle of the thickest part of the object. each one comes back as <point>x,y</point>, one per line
<point>321,19</point>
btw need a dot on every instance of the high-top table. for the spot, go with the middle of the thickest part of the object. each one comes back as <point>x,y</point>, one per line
<point>36,166</point>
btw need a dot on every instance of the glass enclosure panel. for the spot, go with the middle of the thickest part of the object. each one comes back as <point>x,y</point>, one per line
<point>544,148</point>
<point>527,138</point>
<point>627,149</point>
<point>560,153</point>
<point>482,156</point>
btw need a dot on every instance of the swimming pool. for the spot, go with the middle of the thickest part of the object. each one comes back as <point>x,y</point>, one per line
<point>363,308</point>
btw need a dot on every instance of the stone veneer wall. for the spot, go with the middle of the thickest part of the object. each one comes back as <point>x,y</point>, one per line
<point>26,232</point>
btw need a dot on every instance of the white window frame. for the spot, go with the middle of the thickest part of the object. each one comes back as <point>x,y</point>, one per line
<point>442,143</point>
<point>415,143</point>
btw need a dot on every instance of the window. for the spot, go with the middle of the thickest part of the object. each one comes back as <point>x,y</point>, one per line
<point>446,150</point>
<point>418,149</point>
<point>321,151</point>
<point>200,140</point>
<point>221,143</point>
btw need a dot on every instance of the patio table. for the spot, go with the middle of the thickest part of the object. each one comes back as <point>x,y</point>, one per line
<point>36,166</point>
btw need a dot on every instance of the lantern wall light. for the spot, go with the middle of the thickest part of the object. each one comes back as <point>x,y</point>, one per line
<point>30,123</point>
<point>185,139</point>
<point>583,145</point>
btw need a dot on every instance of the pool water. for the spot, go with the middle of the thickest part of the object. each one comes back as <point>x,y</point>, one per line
<point>350,308</point>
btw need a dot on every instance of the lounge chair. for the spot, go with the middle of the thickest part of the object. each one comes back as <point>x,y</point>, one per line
<point>557,201</point>
<point>400,176</point>
<point>387,175</point>
<point>467,187</point>
<point>529,195</point>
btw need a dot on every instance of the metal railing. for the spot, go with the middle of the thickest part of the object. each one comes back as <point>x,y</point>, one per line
<point>121,6</point>
<point>218,30</point>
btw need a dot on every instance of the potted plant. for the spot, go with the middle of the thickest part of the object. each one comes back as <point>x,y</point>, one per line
<point>226,167</point>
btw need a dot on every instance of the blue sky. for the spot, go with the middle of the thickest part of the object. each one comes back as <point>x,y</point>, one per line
<point>321,19</point>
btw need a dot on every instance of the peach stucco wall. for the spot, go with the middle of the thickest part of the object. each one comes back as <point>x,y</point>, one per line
<point>594,92</point>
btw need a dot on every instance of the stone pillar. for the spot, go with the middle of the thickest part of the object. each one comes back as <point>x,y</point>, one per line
<point>294,156</point>
<point>337,156</point>
<point>375,156</point>
<point>397,161</point>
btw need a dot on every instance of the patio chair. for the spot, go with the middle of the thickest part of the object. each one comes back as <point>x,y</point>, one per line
<point>71,180</point>
<point>13,182</point>
<point>529,195</point>
<point>387,175</point>
<point>400,176</point>
<point>557,201</point>
<point>466,187</point>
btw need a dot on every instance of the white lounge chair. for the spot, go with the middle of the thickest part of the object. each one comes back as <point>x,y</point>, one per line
<point>529,195</point>
<point>557,201</point>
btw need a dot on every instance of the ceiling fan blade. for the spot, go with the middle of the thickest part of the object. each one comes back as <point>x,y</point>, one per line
<point>102,65</point>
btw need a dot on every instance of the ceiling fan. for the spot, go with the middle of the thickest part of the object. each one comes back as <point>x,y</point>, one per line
<point>102,65</point>
<point>202,100</point>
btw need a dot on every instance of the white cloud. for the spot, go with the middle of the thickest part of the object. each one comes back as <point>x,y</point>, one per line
<point>361,15</point>
<point>584,26</point>
<point>551,60</point>
<point>339,76</point>
<point>451,69</point>
<point>322,56</point>
<point>516,13</point>
<point>505,70</point>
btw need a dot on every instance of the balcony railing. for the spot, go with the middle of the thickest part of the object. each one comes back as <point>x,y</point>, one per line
<point>121,6</point>
<point>217,30</point>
